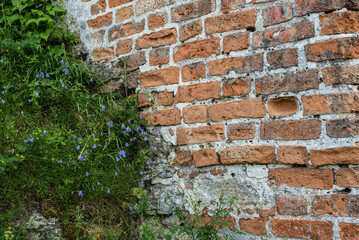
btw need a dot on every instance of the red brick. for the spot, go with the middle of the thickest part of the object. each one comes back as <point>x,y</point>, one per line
<point>124,47</point>
<point>115,3</point>
<point>282,58</point>
<point>277,14</point>
<point>339,22</point>
<point>236,87</point>
<point>164,76</point>
<point>316,230</point>
<point>215,172</point>
<point>293,205</point>
<point>335,156</point>
<point>103,54</point>
<point>190,30</point>
<point>281,106</point>
<point>313,6</point>
<point>159,56</point>
<point>251,108</point>
<point>239,65</point>
<point>160,38</point>
<point>235,42</point>
<point>341,48</point>
<point>193,72</point>
<point>165,117</point>
<point>348,177</point>
<point>125,30</point>
<point>339,205</point>
<point>331,103</point>
<point>303,177</point>
<point>231,21</point>
<point>228,5</point>
<point>256,226</point>
<point>100,21</point>
<point>197,49</point>
<point>98,7</point>
<point>165,98</point>
<point>291,129</point>
<point>292,155</point>
<point>349,231</point>
<point>266,212</point>
<point>344,74</point>
<point>200,91</point>
<point>288,82</point>
<point>192,10</point>
<point>343,128</point>
<point>157,20</point>
<point>195,114</point>
<point>240,131</point>
<point>123,14</point>
<point>134,61</point>
<point>204,134</point>
<point>144,100</point>
<point>205,157</point>
<point>248,154</point>
<point>279,35</point>
<point>184,158</point>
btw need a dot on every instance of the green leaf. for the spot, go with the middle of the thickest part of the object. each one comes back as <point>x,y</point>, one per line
<point>59,9</point>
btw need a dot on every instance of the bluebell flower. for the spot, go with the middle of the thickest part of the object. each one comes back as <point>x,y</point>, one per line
<point>36,83</point>
<point>145,138</point>
<point>131,209</point>
<point>37,94</point>
<point>45,132</point>
<point>93,188</point>
<point>66,87</point>
<point>3,101</point>
<point>128,129</point>
<point>47,75</point>
<point>87,174</point>
<point>129,121</point>
<point>60,161</point>
<point>1,60</point>
<point>117,159</point>
<point>110,124</point>
<point>141,117</point>
<point>4,87</point>
<point>81,158</point>
<point>160,174</point>
<point>62,61</point>
<point>138,128</point>
<point>93,135</point>
<point>8,151</point>
<point>94,146</point>
<point>22,112</point>
<point>63,85</point>
<point>37,75</point>
<point>122,126</point>
<point>101,134</point>
<point>3,92</point>
<point>141,173</point>
<point>79,139</point>
<point>29,100</point>
<point>66,64</point>
<point>91,80</point>
<point>148,162</point>
<point>75,136</point>
<point>86,151</point>
<point>142,182</point>
<point>31,139</point>
<point>7,137</point>
<point>126,144</point>
<point>116,174</point>
<point>80,193</point>
<point>122,153</point>
<point>26,141</point>
<point>103,108</point>
<point>74,162</point>
<point>98,183</point>
<point>168,175</point>
<point>108,190</point>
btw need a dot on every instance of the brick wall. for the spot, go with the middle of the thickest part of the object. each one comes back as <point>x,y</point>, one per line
<point>255,98</point>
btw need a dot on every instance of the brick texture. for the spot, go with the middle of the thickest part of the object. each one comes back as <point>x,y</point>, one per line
<point>293,205</point>
<point>341,74</point>
<point>205,134</point>
<point>200,91</point>
<point>205,157</point>
<point>348,231</point>
<point>348,177</point>
<point>256,226</point>
<point>248,154</point>
<point>335,156</point>
<point>292,155</point>
<point>160,77</point>
<point>197,49</point>
<point>195,114</point>
<point>342,205</point>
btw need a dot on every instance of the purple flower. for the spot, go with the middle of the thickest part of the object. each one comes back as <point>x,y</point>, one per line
<point>142,182</point>
<point>110,124</point>
<point>3,101</point>
<point>80,193</point>
<point>168,175</point>
<point>93,135</point>
<point>45,132</point>
<point>87,174</point>
<point>141,117</point>
<point>145,138</point>
<point>31,139</point>
<point>128,129</point>
<point>60,161</point>
<point>62,61</point>
<point>141,173</point>
<point>103,108</point>
<point>94,146</point>
<point>116,174</point>
<point>108,190</point>
<point>123,126</point>
<point>29,100</point>
<point>37,94</point>
<point>131,209</point>
<point>148,162</point>
<point>66,87</point>
<point>7,137</point>
<point>78,147</point>
<point>47,75</point>
<point>122,153</point>
<point>36,83</point>
<point>117,159</point>
<point>91,80</point>
<point>98,183</point>
<point>22,112</point>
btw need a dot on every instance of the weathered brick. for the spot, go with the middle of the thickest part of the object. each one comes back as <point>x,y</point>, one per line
<point>348,177</point>
<point>349,231</point>
<point>278,35</point>
<point>331,103</point>
<point>341,48</point>
<point>157,20</point>
<point>277,14</point>
<point>200,91</point>
<point>134,61</point>
<point>205,157</point>
<point>281,106</point>
<point>288,82</point>
<point>303,177</point>
<point>124,13</point>
<point>340,205</point>
<point>316,230</point>
<point>293,155</point>
<point>335,156</point>
<point>248,154</point>
<point>193,71</point>
<point>115,3</point>
<point>313,6</point>
<point>99,36</point>
<point>144,100</point>
<point>343,128</point>
<point>165,98</point>
<point>190,30</point>
<point>204,134</point>
<point>197,49</point>
<point>164,76</point>
<point>228,5</point>
<point>345,74</point>
<point>282,58</point>
<point>215,172</point>
<point>195,114</point>
<point>144,6</point>
<point>240,131</point>
<point>266,212</point>
<point>132,80</point>
<point>339,22</point>
<point>124,47</point>
<point>165,117</point>
<point>251,108</point>
<point>291,129</point>
<point>103,54</point>
<point>192,10</point>
<point>125,30</point>
<point>159,56</point>
<point>256,226</point>
<point>235,42</point>
<point>237,64</point>
<point>98,7</point>
<point>231,21</point>
<point>155,39</point>
<point>291,205</point>
<point>100,21</point>
<point>236,86</point>
<point>184,158</point>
